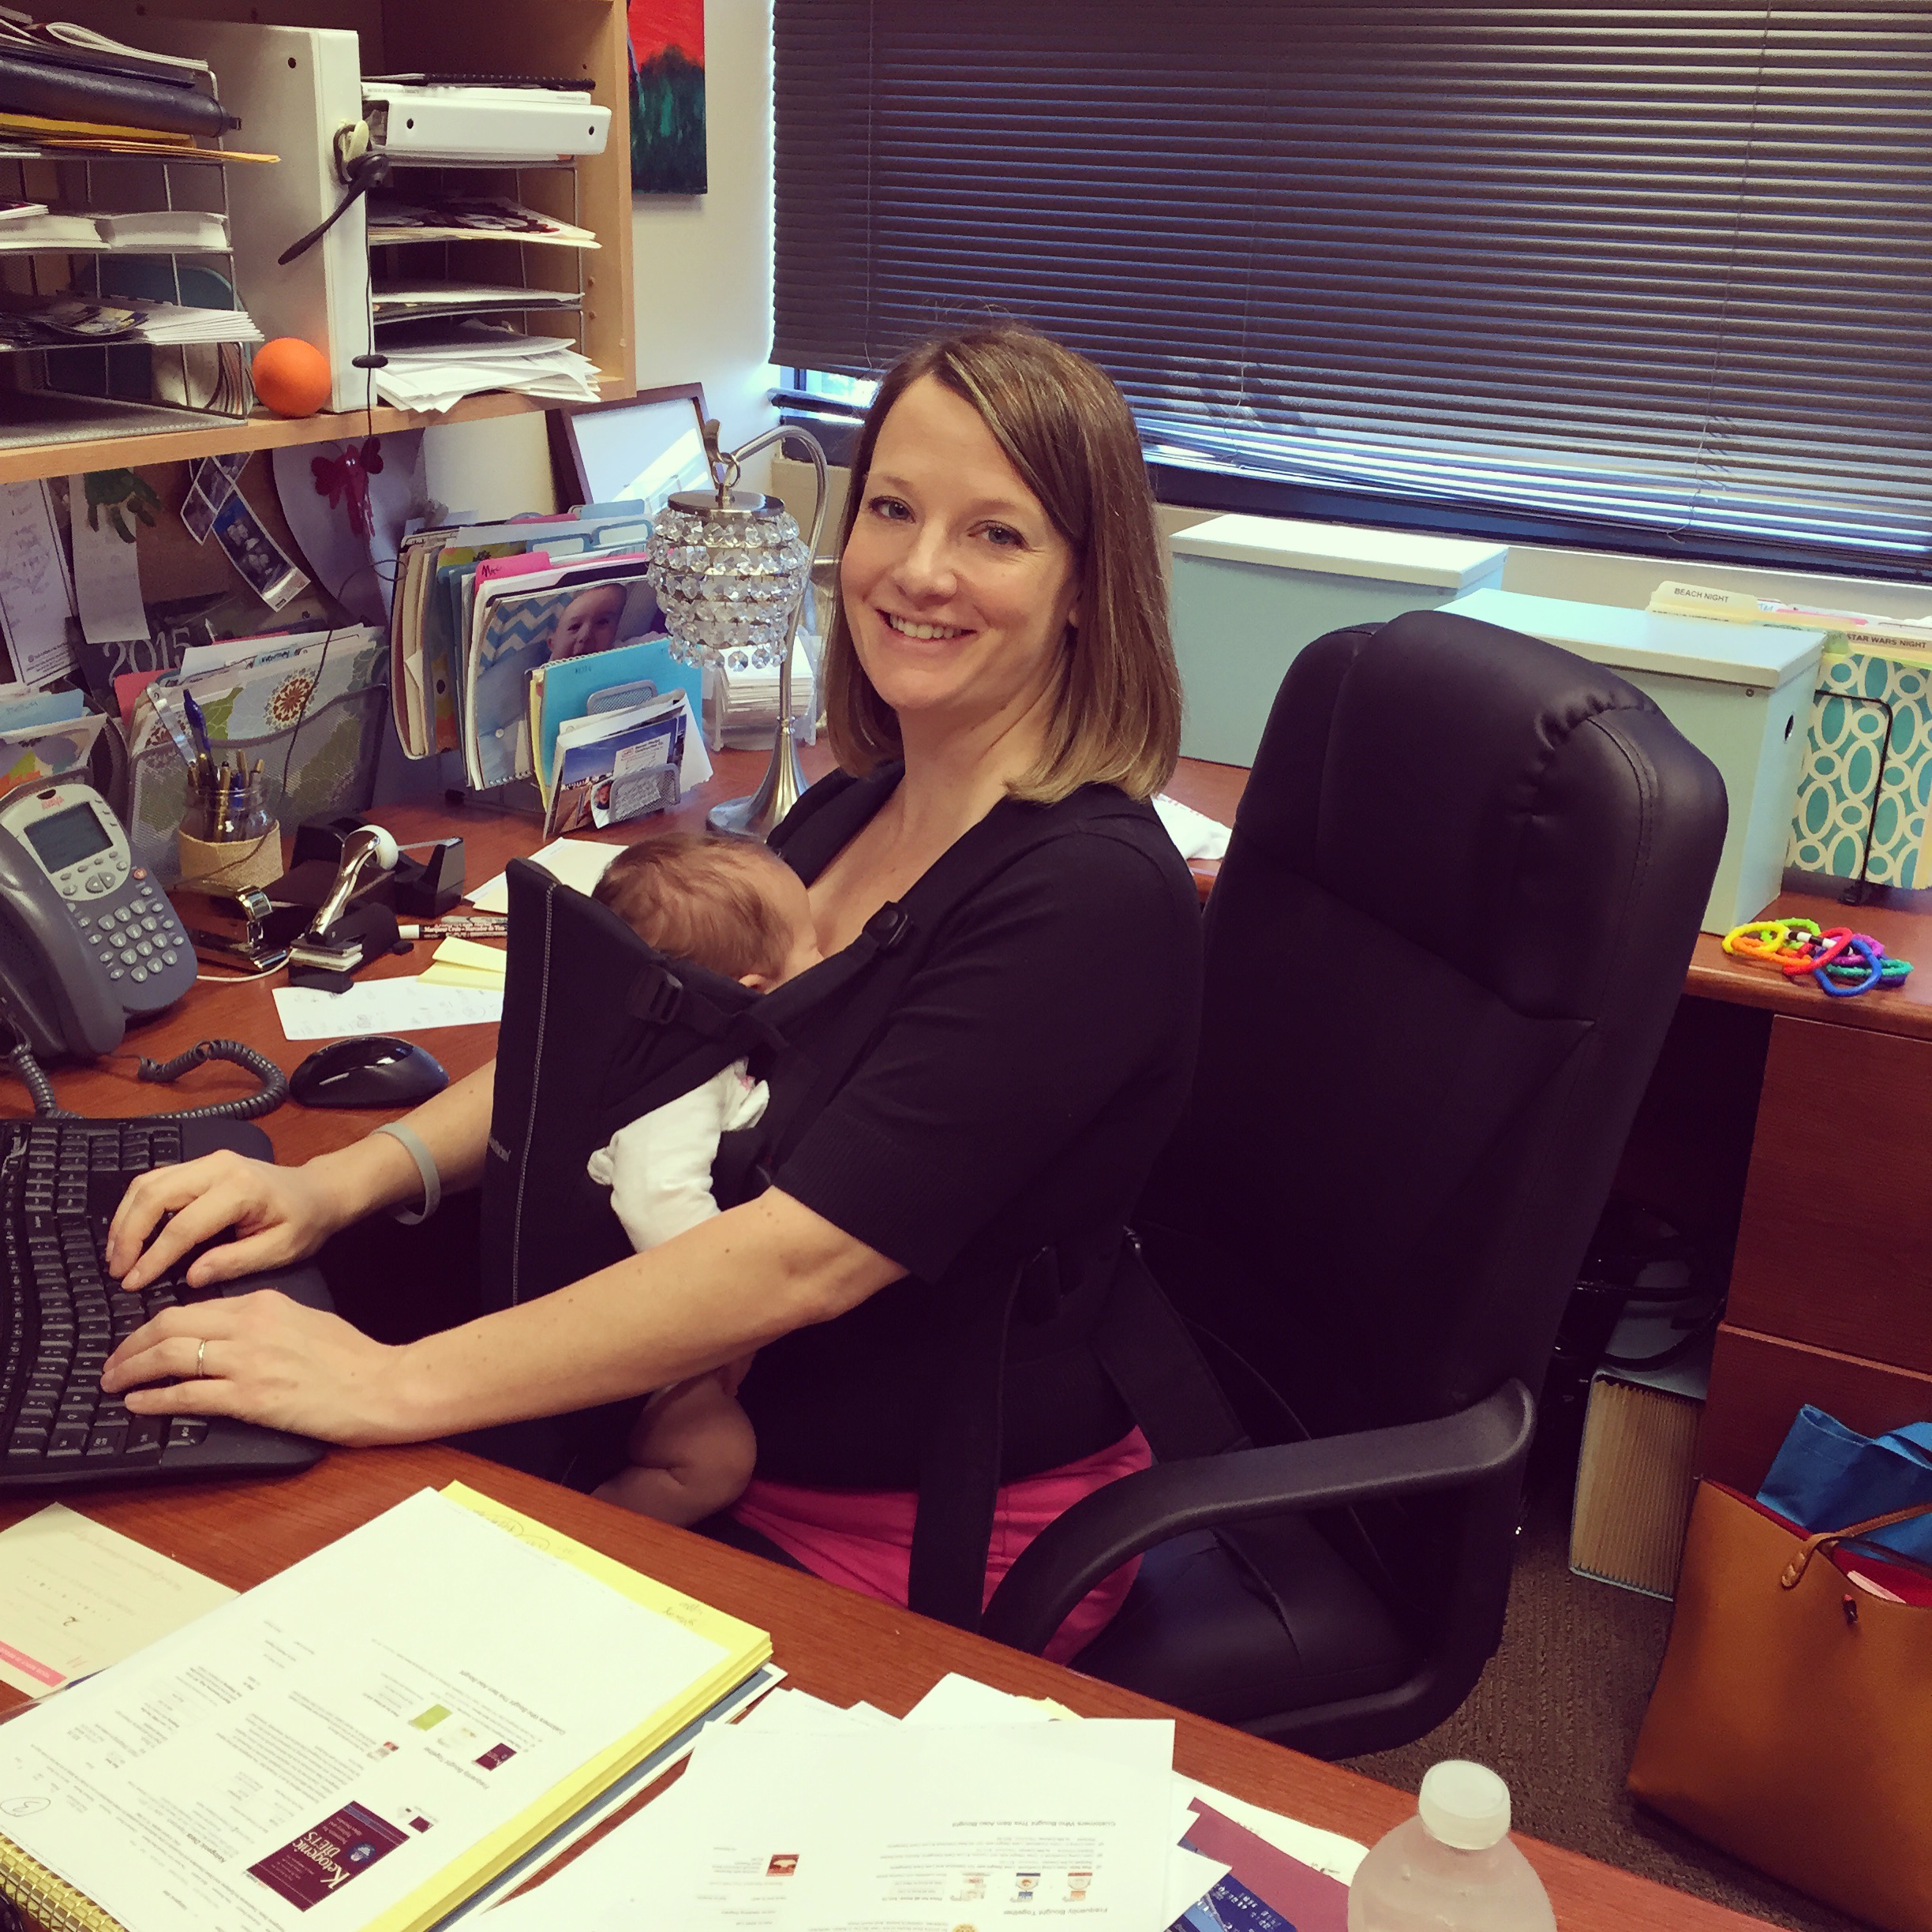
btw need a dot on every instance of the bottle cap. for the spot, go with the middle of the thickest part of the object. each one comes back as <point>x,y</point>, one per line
<point>1464,1804</point>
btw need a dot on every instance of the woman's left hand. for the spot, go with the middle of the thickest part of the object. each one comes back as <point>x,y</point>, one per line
<point>265,1359</point>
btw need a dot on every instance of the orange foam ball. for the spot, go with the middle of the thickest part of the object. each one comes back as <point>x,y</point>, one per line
<point>291,376</point>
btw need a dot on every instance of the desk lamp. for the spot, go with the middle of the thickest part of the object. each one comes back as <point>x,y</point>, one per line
<point>732,574</point>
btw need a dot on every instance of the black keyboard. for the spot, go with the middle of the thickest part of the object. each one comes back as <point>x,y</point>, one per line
<point>60,1182</point>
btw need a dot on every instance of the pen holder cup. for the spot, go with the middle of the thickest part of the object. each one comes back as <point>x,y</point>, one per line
<point>230,865</point>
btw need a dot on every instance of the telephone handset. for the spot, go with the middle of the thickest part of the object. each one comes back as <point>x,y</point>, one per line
<point>87,938</point>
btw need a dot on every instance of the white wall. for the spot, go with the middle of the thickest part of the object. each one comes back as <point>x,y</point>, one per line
<point>703,263</point>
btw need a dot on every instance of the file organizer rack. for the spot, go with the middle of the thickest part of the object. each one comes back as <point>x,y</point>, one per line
<point>535,184</point>
<point>113,385</point>
<point>293,86</point>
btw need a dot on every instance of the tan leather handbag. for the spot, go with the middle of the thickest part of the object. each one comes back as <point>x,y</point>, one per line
<point>1791,1721</point>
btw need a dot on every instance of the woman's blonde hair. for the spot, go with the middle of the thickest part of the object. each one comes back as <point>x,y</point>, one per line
<point>1068,431</point>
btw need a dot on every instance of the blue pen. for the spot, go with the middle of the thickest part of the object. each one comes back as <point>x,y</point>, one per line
<point>196,724</point>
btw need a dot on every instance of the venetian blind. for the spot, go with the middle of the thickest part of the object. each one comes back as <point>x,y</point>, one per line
<point>1637,267</point>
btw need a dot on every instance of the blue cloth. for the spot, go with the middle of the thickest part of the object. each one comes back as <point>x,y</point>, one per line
<point>1827,1476</point>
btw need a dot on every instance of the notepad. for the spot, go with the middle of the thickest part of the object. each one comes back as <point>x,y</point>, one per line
<point>459,962</point>
<point>381,1729</point>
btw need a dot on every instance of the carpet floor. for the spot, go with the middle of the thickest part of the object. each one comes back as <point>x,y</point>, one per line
<point>1556,1713</point>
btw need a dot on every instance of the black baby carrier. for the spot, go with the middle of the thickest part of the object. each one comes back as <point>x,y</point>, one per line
<point>599,1027</point>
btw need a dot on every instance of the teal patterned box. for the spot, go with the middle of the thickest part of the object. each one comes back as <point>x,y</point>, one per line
<point>1848,744</point>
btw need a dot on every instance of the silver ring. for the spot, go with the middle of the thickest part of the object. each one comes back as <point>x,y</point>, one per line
<point>199,1353</point>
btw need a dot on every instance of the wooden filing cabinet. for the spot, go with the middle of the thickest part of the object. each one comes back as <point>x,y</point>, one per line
<point>1831,1291</point>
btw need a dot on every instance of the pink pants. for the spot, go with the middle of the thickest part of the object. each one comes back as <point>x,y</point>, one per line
<point>862,1538</point>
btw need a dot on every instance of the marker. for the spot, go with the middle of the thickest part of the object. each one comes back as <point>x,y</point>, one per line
<point>464,926</point>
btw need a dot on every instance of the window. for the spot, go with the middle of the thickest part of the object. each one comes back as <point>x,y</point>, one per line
<point>1655,277</point>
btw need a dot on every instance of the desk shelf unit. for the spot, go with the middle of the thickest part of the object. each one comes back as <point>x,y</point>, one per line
<point>515,38</point>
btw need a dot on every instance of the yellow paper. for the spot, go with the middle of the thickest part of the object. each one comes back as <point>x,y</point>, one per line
<point>744,1647</point>
<point>455,951</point>
<point>386,1597</point>
<point>441,972</point>
<point>76,1597</point>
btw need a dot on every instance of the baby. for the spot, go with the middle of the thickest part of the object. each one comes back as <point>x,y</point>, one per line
<point>731,905</point>
<point>588,621</point>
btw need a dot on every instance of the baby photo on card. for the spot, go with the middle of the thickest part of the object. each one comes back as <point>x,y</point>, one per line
<point>591,610</point>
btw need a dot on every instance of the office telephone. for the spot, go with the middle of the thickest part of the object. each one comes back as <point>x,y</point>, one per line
<point>87,938</point>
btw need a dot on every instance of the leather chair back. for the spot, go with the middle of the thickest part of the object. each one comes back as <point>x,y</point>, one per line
<point>1449,934</point>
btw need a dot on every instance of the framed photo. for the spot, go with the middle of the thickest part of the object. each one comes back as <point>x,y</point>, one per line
<point>642,448</point>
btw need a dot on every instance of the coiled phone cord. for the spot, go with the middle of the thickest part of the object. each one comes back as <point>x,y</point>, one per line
<point>274,1081</point>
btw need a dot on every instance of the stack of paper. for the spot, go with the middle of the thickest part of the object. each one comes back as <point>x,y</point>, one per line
<point>400,300</point>
<point>979,1810</point>
<point>48,321</point>
<point>178,230</point>
<point>401,1716</point>
<point>468,218</point>
<point>435,371</point>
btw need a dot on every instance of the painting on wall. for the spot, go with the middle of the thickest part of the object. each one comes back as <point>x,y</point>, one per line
<point>667,96</point>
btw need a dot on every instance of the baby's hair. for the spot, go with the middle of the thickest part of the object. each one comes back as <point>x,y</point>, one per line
<point>695,896</point>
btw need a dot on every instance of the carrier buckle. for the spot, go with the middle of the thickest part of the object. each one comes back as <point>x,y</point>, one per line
<point>656,995</point>
<point>888,926</point>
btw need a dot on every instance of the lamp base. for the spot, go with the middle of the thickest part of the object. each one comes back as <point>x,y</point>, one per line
<point>755,815</point>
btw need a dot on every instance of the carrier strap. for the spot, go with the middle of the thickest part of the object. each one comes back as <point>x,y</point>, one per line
<point>1141,1343</point>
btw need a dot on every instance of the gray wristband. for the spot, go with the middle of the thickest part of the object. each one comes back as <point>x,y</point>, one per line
<point>432,1181</point>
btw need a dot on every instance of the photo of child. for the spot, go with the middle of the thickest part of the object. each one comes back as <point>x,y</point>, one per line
<point>520,630</point>
<point>589,621</point>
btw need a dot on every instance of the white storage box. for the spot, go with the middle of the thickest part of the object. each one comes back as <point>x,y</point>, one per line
<point>1736,691</point>
<point>1249,592</point>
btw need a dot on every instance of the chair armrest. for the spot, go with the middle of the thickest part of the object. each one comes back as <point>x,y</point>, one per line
<point>1103,1530</point>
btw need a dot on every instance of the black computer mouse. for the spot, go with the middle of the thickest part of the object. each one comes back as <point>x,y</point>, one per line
<point>374,1071</point>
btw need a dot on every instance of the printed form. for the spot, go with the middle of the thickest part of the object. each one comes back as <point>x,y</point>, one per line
<point>318,1750</point>
<point>887,1828</point>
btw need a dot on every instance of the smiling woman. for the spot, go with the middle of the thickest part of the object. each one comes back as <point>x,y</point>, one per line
<point>986,463</point>
<point>1003,700</point>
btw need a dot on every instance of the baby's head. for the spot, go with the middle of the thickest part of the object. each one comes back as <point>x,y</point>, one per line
<point>588,621</point>
<point>729,904</point>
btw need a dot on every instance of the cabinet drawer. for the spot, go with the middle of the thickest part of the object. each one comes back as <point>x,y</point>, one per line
<point>1759,1383</point>
<point>1835,1246</point>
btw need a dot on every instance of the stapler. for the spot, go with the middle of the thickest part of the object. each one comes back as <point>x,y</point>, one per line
<point>252,945</point>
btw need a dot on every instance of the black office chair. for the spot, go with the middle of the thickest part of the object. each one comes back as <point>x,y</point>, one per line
<point>1448,936</point>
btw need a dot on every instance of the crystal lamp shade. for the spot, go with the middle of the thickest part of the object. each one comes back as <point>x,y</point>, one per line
<point>727,581</point>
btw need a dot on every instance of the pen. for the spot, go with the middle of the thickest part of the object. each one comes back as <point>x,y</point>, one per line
<point>197,725</point>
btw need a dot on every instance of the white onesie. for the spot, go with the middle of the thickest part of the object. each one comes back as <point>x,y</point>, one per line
<point>658,1169</point>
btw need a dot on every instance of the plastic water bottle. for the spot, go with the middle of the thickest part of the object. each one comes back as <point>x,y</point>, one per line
<point>1451,1868</point>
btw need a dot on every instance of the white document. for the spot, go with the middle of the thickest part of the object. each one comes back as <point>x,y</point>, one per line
<point>1194,833</point>
<point>577,861</point>
<point>359,1721</point>
<point>106,567</point>
<point>76,1597</point>
<point>383,1006</point>
<point>958,1700</point>
<point>35,597</point>
<point>832,1823</point>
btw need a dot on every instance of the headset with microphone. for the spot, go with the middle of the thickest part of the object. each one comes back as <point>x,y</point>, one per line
<point>360,168</point>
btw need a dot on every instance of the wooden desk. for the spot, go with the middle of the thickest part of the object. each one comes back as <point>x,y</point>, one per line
<point>835,1644</point>
<point>1831,1287</point>
<point>228,1006</point>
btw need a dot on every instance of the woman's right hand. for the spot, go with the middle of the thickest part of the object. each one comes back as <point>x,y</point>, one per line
<point>280,1214</point>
